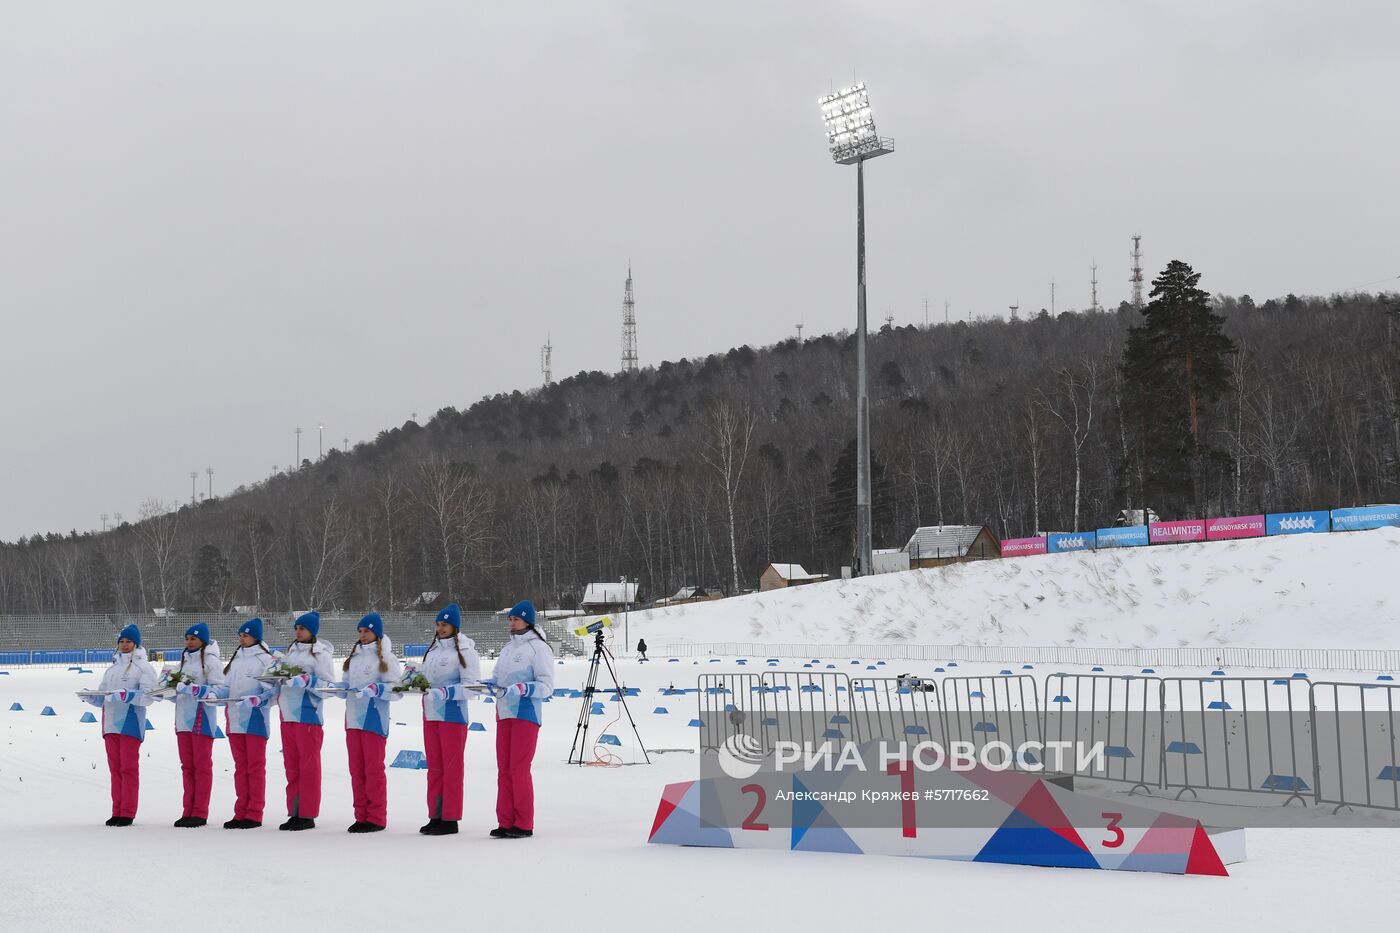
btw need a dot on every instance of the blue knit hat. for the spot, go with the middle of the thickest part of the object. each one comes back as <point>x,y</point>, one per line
<point>252,627</point>
<point>374,623</point>
<point>452,615</point>
<point>311,621</point>
<point>199,630</point>
<point>132,633</point>
<point>523,610</point>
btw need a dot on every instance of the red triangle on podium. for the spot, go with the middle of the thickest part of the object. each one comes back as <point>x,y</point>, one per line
<point>670,798</point>
<point>1204,860</point>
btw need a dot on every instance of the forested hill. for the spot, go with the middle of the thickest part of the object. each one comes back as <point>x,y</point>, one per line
<point>648,474</point>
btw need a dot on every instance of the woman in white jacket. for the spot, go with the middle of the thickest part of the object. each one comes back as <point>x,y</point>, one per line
<point>126,688</point>
<point>370,672</point>
<point>248,714</point>
<point>450,663</point>
<point>202,672</point>
<point>523,680</point>
<point>303,722</point>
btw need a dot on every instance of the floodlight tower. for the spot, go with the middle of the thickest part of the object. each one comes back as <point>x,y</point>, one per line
<point>851,136</point>
<point>194,478</point>
<point>546,357</point>
<point>1094,288</point>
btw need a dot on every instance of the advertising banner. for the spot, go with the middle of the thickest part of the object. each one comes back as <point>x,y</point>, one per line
<point>1240,526</point>
<point>1192,529</point>
<point>1369,516</point>
<point>1061,543</point>
<point>1130,536</point>
<point>1022,547</point>
<point>1296,523</point>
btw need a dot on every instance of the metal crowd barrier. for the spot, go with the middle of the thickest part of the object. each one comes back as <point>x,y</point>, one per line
<point>1124,712</point>
<point>1368,734</point>
<point>1238,734</point>
<point>996,708</point>
<point>898,709</point>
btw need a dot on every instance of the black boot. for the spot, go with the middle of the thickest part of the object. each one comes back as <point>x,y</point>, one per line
<point>190,822</point>
<point>517,833</point>
<point>291,820</point>
<point>302,823</point>
<point>444,828</point>
<point>357,827</point>
<point>233,824</point>
<point>183,822</point>
<point>113,821</point>
<point>250,824</point>
<point>121,821</point>
<point>427,829</point>
<point>368,827</point>
<point>501,832</point>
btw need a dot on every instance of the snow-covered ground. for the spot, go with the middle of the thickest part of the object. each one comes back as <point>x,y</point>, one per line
<point>589,866</point>
<point>1300,591</point>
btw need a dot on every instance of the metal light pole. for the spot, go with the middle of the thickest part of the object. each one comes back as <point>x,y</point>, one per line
<point>850,133</point>
<point>320,444</point>
<point>210,471</point>
<point>297,462</point>
<point>194,477</point>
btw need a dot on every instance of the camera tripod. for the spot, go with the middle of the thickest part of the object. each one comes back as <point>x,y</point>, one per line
<point>601,655</point>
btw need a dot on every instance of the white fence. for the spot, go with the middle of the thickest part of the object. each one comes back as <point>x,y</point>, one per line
<point>1295,659</point>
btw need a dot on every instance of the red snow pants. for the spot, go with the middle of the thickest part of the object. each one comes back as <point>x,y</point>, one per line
<point>249,775</point>
<point>515,790</point>
<point>197,768</point>
<point>301,757</point>
<point>445,745</point>
<point>367,780</point>
<point>124,761</point>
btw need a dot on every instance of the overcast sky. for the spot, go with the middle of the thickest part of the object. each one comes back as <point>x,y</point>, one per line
<point>222,220</point>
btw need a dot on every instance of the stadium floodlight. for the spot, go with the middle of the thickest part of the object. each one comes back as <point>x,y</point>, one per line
<point>851,135</point>
<point>850,127</point>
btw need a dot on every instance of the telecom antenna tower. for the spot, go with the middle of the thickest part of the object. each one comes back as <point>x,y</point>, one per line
<point>546,355</point>
<point>629,327</point>
<point>1093,288</point>
<point>1137,271</point>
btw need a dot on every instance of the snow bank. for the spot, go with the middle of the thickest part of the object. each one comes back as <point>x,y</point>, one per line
<point>1299,591</point>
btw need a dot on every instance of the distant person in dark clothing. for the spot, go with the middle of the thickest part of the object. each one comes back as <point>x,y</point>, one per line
<point>642,648</point>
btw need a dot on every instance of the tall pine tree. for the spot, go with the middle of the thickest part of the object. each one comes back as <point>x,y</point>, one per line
<point>1174,371</point>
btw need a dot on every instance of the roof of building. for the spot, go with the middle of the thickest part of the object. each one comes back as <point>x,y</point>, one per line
<point>795,572</point>
<point>609,594</point>
<point>933,540</point>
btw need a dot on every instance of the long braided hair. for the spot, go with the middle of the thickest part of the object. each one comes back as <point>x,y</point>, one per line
<point>379,649</point>
<point>456,643</point>
<point>260,646</point>
<point>202,668</point>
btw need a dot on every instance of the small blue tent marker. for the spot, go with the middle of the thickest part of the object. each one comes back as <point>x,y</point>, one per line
<point>149,727</point>
<point>695,722</point>
<point>609,739</point>
<point>1097,670</point>
<point>408,758</point>
<point>48,711</point>
<point>476,727</point>
<point>16,708</point>
<point>88,717</point>
<point>1218,704</point>
<point>1184,748</point>
<point>915,730</point>
<point>662,710</point>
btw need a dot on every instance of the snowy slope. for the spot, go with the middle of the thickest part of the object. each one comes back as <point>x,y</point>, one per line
<point>1301,591</point>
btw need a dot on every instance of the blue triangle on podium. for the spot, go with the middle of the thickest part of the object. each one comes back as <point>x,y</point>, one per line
<point>815,830</point>
<point>1023,841</point>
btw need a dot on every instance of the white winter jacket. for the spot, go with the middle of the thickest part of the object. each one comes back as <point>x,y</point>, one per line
<point>134,674</point>
<point>442,665</point>
<point>526,660</point>
<point>191,715</point>
<point>302,704</point>
<point>371,714</point>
